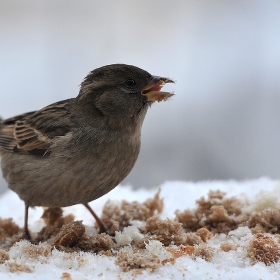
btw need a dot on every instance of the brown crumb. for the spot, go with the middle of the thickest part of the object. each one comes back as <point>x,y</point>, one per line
<point>155,205</point>
<point>66,276</point>
<point>53,217</point>
<point>137,272</point>
<point>178,252</point>
<point>8,228</point>
<point>166,231</point>
<point>264,248</point>
<point>257,229</point>
<point>267,220</point>
<point>10,233</point>
<point>192,239</point>
<point>217,214</point>
<point>127,260</point>
<point>107,253</point>
<point>36,251</point>
<point>117,217</point>
<point>219,220</point>
<point>226,246</point>
<point>45,233</point>
<point>74,256</point>
<point>101,242</point>
<point>69,235</point>
<point>204,251</point>
<point>203,233</point>
<point>54,221</point>
<point>169,260</point>
<point>4,256</point>
<point>15,267</point>
<point>188,219</point>
<point>141,244</point>
<point>214,198</point>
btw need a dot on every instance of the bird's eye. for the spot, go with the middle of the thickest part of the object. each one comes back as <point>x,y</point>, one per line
<point>130,83</point>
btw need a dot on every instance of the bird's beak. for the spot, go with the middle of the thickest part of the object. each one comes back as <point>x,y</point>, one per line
<point>152,89</point>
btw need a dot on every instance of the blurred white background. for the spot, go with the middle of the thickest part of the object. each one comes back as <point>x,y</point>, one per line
<point>223,121</point>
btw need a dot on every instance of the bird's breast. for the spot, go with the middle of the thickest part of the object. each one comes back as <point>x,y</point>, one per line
<point>97,164</point>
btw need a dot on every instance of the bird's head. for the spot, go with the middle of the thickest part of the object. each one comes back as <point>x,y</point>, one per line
<point>122,91</point>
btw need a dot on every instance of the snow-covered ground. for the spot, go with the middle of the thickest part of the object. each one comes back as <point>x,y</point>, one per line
<point>223,264</point>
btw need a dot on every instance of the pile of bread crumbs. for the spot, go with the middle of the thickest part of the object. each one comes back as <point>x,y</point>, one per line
<point>140,239</point>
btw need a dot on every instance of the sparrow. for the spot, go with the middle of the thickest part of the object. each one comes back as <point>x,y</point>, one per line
<point>76,150</point>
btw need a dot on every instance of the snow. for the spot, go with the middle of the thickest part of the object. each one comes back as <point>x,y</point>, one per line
<point>129,234</point>
<point>235,264</point>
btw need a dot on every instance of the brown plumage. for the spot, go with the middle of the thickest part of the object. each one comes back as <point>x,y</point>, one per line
<point>76,150</point>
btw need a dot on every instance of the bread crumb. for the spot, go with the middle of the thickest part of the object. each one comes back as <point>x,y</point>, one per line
<point>69,235</point>
<point>169,260</point>
<point>46,233</point>
<point>203,233</point>
<point>166,231</point>
<point>107,253</point>
<point>52,216</point>
<point>66,276</point>
<point>268,220</point>
<point>4,256</point>
<point>219,220</point>
<point>180,251</point>
<point>216,213</point>
<point>264,248</point>
<point>8,228</point>
<point>15,267</point>
<point>30,251</point>
<point>116,216</point>
<point>10,233</point>
<point>127,260</point>
<point>204,251</point>
<point>226,246</point>
<point>54,221</point>
<point>189,220</point>
<point>192,239</point>
<point>102,242</point>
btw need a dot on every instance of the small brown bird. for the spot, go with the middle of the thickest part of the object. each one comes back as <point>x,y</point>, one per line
<point>75,151</point>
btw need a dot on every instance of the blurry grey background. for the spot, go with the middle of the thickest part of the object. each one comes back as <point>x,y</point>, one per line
<point>223,122</point>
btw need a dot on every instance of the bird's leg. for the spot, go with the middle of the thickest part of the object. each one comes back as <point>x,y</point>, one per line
<point>102,227</point>
<point>26,234</point>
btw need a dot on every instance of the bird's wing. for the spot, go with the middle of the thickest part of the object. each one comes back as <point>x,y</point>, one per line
<point>33,132</point>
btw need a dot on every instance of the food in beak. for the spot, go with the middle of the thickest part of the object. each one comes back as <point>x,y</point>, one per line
<point>153,90</point>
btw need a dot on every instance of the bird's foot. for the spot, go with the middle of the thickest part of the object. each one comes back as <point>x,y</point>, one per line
<point>26,235</point>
